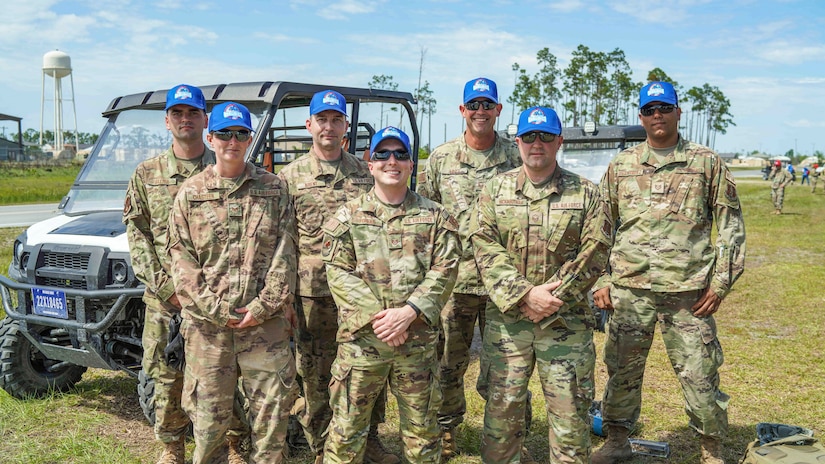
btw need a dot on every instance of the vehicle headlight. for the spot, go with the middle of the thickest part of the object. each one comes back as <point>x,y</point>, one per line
<point>120,271</point>
<point>18,253</point>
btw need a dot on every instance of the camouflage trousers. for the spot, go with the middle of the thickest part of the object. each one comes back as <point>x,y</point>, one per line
<point>359,373</point>
<point>565,360</point>
<point>778,197</point>
<point>315,350</point>
<point>816,180</point>
<point>171,422</point>
<point>691,344</point>
<point>215,358</point>
<point>458,320</point>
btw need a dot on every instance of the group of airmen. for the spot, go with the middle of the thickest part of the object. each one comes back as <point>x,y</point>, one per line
<point>381,287</point>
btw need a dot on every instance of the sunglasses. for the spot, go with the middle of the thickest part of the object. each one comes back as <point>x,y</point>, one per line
<point>226,135</point>
<point>385,155</point>
<point>664,109</point>
<point>474,105</point>
<point>545,137</point>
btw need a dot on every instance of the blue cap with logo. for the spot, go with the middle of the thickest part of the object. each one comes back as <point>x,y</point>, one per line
<point>538,119</point>
<point>229,114</point>
<point>185,94</point>
<point>390,132</point>
<point>480,87</point>
<point>327,100</point>
<point>657,91</point>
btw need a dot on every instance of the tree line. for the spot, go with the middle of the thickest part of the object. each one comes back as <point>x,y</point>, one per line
<point>33,136</point>
<point>597,86</point>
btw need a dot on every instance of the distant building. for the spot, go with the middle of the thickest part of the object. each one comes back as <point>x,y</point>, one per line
<point>11,150</point>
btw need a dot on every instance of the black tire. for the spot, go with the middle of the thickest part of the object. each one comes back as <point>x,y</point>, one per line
<point>146,396</point>
<point>25,372</point>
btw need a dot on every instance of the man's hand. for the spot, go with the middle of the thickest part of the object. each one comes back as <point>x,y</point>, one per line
<point>390,325</point>
<point>291,317</point>
<point>539,302</point>
<point>601,298</point>
<point>707,305</point>
<point>247,321</point>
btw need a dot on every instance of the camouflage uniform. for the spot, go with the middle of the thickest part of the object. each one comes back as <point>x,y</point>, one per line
<point>317,190</point>
<point>380,257</point>
<point>525,235</point>
<point>232,245</point>
<point>816,175</point>
<point>781,178</point>
<point>662,260</point>
<point>453,175</point>
<point>149,199</point>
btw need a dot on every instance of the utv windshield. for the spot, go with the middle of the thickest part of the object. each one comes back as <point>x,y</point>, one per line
<point>128,139</point>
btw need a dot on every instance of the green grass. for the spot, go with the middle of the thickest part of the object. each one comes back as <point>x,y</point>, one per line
<point>44,184</point>
<point>770,326</point>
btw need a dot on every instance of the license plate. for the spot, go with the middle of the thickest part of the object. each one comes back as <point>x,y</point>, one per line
<point>51,303</point>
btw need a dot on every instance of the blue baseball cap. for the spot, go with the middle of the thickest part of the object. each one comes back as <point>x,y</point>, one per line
<point>185,94</point>
<point>480,87</point>
<point>328,100</point>
<point>390,132</point>
<point>658,92</point>
<point>229,114</point>
<point>538,118</point>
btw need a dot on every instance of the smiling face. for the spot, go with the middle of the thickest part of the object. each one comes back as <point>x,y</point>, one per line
<point>391,174</point>
<point>480,122</point>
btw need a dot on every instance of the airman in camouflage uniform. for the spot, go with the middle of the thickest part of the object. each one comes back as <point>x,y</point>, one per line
<point>542,235</point>
<point>231,238</point>
<point>453,175</point>
<point>320,182</point>
<point>781,178</point>
<point>816,175</point>
<point>665,266</point>
<point>149,199</point>
<point>391,258</point>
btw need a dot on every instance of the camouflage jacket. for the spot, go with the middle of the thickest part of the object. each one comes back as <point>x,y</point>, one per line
<point>380,257</point>
<point>149,199</point>
<point>317,191</point>
<point>232,243</point>
<point>780,178</point>
<point>525,236</point>
<point>664,216</point>
<point>453,175</point>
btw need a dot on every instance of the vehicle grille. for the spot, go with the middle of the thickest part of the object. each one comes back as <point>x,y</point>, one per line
<point>73,261</point>
<point>63,283</point>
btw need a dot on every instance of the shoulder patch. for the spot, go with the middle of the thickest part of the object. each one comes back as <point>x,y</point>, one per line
<point>334,227</point>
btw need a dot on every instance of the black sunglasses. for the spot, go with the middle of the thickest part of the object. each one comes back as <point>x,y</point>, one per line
<point>226,135</point>
<point>385,155</point>
<point>545,137</point>
<point>474,105</point>
<point>664,109</point>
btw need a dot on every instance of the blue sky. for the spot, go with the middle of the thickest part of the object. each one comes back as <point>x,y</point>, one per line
<point>767,56</point>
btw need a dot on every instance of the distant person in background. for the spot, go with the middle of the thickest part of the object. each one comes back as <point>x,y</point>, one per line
<point>667,196</point>
<point>817,176</point>
<point>781,178</point>
<point>805,173</point>
<point>792,171</point>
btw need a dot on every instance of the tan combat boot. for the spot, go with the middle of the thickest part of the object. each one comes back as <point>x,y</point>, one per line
<point>376,453</point>
<point>711,450</point>
<point>173,453</point>
<point>615,449</point>
<point>448,448</point>
<point>319,459</point>
<point>236,456</point>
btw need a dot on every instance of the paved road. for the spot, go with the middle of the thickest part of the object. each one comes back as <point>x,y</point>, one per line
<point>26,215</point>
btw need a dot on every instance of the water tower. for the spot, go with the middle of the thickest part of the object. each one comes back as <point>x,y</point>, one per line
<point>57,65</point>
